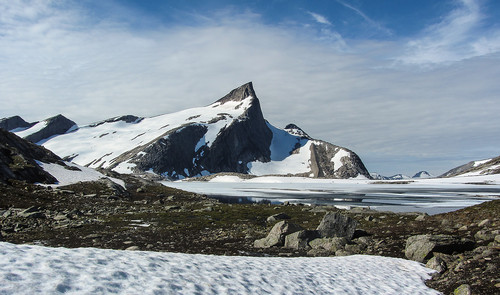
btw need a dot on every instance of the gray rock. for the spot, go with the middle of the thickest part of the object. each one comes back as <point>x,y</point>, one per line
<point>299,240</point>
<point>276,236</point>
<point>337,225</point>
<point>421,247</point>
<point>437,264</point>
<point>463,289</point>
<point>485,222</point>
<point>31,212</point>
<point>278,216</point>
<point>484,235</point>
<point>329,244</point>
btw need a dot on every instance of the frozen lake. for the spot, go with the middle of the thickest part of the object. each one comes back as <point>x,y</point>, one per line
<point>431,196</point>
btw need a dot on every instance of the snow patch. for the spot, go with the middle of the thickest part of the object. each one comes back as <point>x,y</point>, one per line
<point>337,158</point>
<point>65,176</point>
<point>28,269</point>
<point>298,162</point>
<point>124,168</point>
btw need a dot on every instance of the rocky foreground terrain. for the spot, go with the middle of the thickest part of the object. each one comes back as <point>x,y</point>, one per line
<point>463,246</point>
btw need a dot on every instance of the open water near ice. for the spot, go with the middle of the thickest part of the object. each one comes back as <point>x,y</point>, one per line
<point>428,198</point>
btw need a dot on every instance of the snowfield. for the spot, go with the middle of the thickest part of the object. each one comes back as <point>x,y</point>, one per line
<point>28,269</point>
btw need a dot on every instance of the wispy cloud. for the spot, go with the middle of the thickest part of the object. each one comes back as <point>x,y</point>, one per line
<point>373,23</point>
<point>320,18</point>
<point>456,37</point>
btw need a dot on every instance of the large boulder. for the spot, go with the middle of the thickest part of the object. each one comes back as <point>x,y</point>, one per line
<point>276,236</point>
<point>421,247</point>
<point>335,224</point>
<point>300,240</point>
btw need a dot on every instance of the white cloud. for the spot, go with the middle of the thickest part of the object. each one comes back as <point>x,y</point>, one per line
<point>320,18</point>
<point>53,63</point>
<point>455,38</point>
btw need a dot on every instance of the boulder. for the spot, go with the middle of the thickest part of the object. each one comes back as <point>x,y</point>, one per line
<point>337,225</point>
<point>300,240</point>
<point>329,244</point>
<point>421,247</point>
<point>276,236</point>
<point>463,289</point>
<point>437,264</point>
<point>278,216</point>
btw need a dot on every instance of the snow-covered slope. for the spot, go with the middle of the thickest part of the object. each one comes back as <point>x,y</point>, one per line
<point>230,135</point>
<point>474,168</point>
<point>27,269</point>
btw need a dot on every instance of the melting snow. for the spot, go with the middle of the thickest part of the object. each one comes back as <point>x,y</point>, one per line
<point>337,159</point>
<point>65,176</point>
<point>27,269</point>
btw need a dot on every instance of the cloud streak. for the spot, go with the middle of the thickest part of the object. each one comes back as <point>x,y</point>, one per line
<point>370,21</point>
<point>456,37</point>
<point>62,60</point>
<point>320,19</point>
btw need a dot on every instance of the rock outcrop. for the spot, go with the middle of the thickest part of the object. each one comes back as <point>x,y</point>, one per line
<point>14,122</point>
<point>18,160</point>
<point>53,126</point>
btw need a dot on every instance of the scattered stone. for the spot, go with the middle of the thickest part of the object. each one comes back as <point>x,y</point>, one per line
<point>437,264</point>
<point>484,235</point>
<point>174,207</point>
<point>484,223</point>
<point>276,236</point>
<point>337,225</point>
<point>278,216</point>
<point>32,212</point>
<point>463,289</point>
<point>497,239</point>
<point>420,247</point>
<point>420,217</point>
<point>132,248</point>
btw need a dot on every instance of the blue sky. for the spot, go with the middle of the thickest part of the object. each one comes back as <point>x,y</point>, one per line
<point>408,85</point>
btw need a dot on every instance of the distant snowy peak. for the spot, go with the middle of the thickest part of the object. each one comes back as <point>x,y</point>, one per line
<point>475,168</point>
<point>297,131</point>
<point>15,123</point>
<point>422,174</point>
<point>39,131</point>
<point>229,135</point>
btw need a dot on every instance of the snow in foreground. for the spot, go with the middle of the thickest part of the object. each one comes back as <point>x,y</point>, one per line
<point>27,269</point>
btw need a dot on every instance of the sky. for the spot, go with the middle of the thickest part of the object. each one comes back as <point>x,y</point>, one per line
<point>407,85</point>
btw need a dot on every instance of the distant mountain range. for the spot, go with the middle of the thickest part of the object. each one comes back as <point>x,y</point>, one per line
<point>418,175</point>
<point>229,135</point>
<point>476,168</point>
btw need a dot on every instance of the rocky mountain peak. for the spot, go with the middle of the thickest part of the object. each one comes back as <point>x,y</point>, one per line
<point>14,122</point>
<point>297,131</point>
<point>54,126</point>
<point>239,94</point>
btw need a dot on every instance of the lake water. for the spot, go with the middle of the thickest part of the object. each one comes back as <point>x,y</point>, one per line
<point>431,198</point>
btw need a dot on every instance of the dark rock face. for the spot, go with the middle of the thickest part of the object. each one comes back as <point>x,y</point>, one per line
<point>126,119</point>
<point>337,225</point>
<point>18,160</point>
<point>242,142</point>
<point>322,166</point>
<point>245,140</point>
<point>14,122</point>
<point>173,154</point>
<point>55,126</point>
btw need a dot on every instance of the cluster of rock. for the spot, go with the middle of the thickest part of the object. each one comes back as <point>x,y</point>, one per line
<point>334,235</point>
<point>457,260</point>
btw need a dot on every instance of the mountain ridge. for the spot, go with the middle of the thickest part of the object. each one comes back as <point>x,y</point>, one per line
<point>229,135</point>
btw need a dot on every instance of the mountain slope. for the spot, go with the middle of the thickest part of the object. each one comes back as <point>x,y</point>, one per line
<point>229,135</point>
<point>37,132</point>
<point>18,159</point>
<point>482,167</point>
